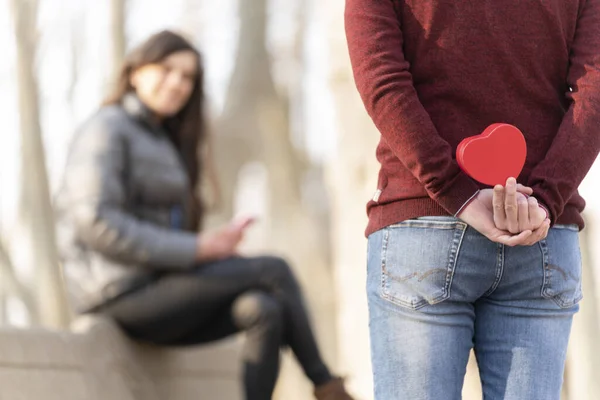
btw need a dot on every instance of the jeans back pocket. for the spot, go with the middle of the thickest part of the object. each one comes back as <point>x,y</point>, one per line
<point>418,260</point>
<point>562,266</point>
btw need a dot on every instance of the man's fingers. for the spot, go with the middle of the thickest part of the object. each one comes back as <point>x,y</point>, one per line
<point>510,205</point>
<point>498,205</point>
<point>513,240</point>
<point>524,216</point>
<point>546,226</point>
<point>524,189</point>
<point>537,215</point>
<point>540,233</point>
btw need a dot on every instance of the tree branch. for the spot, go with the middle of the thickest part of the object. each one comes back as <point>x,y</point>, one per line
<point>13,286</point>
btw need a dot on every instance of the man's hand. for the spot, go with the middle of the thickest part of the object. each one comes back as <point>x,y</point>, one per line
<point>514,212</point>
<point>480,216</point>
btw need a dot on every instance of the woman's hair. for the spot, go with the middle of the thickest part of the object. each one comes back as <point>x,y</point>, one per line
<point>187,128</point>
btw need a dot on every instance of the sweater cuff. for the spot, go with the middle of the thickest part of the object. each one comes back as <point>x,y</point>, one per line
<point>466,204</point>
<point>543,198</point>
<point>543,207</point>
<point>458,195</point>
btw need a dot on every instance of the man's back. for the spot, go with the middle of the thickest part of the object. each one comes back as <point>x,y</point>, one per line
<point>449,69</point>
<point>489,61</point>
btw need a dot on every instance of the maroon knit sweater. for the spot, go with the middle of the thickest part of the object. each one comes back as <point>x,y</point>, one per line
<point>432,72</point>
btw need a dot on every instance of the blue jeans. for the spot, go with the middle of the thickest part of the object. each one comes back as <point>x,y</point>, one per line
<point>437,288</point>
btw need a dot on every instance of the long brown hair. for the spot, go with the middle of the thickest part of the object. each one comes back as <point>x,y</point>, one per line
<point>188,127</point>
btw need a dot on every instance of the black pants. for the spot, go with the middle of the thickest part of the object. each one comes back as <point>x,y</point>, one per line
<point>257,295</point>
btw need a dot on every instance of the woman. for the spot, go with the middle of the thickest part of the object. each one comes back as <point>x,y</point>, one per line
<point>128,217</point>
<point>454,265</point>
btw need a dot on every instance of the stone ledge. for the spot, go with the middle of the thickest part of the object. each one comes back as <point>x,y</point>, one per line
<point>96,361</point>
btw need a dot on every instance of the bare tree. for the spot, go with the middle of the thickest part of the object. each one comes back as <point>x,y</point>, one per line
<point>583,361</point>
<point>255,127</point>
<point>118,35</point>
<point>235,139</point>
<point>352,179</point>
<point>3,310</point>
<point>35,210</point>
<point>298,226</point>
<point>77,44</point>
<point>11,286</point>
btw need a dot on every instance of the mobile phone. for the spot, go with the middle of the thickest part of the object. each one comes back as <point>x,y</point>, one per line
<point>243,222</point>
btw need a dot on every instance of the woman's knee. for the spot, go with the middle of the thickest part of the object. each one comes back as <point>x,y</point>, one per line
<point>278,269</point>
<point>257,308</point>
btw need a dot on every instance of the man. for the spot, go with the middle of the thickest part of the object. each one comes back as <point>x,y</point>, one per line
<point>453,264</point>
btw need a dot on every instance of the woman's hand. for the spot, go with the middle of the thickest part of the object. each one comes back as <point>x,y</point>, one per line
<point>223,242</point>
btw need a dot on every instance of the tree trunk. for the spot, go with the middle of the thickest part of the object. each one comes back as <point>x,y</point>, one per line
<point>293,226</point>
<point>254,127</point>
<point>118,36</point>
<point>3,311</point>
<point>11,286</point>
<point>236,131</point>
<point>583,361</point>
<point>35,210</point>
<point>352,180</point>
<point>77,44</point>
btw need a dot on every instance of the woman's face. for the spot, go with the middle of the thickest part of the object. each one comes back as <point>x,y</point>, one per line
<point>166,86</point>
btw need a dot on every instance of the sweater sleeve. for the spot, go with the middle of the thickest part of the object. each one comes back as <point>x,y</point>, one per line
<point>577,142</point>
<point>383,79</point>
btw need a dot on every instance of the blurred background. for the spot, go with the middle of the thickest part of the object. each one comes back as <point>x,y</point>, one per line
<point>292,145</point>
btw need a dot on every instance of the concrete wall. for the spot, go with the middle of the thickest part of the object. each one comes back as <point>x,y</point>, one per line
<point>96,362</point>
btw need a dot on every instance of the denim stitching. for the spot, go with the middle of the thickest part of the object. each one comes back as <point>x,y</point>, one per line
<point>546,285</point>
<point>384,244</point>
<point>548,274</point>
<point>459,234</point>
<point>499,269</point>
<point>460,229</point>
<point>426,223</point>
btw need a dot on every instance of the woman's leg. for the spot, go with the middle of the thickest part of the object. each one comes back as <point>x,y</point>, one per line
<point>255,312</point>
<point>278,279</point>
<point>181,308</point>
<point>260,315</point>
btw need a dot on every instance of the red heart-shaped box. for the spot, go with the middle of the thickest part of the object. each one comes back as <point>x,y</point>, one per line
<point>493,156</point>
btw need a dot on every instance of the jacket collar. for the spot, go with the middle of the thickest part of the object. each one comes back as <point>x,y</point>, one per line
<point>136,109</point>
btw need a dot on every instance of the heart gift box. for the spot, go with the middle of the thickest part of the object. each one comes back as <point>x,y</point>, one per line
<point>493,156</point>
